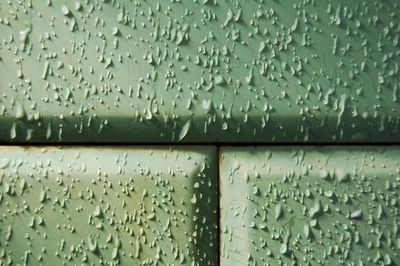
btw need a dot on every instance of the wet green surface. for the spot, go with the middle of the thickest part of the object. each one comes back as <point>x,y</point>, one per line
<point>193,71</point>
<point>310,206</point>
<point>108,206</point>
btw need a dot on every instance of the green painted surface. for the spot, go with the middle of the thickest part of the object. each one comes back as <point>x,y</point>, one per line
<point>189,70</point>
<point>310,206</point>
<point>107,206</point>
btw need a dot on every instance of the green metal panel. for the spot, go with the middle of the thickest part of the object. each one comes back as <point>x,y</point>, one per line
<point>192,70</point>
<point>310,206</point>
<point>97,206</point>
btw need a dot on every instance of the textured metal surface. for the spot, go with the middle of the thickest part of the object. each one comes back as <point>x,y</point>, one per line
<point>103,206</point>
<point>188,71</point>
<point>310,206</point>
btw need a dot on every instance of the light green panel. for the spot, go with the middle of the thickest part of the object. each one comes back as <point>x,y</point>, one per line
<point>310,206</point>
<point>108,206</point>
<point>193,71</point>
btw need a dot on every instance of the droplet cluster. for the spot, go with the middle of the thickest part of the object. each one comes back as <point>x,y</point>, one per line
<point>310,206</point>
<point>199,70</point>
<point>107,206</point>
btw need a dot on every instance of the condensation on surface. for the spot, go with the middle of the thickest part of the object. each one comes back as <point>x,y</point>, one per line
<point>108,206</point>
<point>310,206</point>
<point>190,71</point>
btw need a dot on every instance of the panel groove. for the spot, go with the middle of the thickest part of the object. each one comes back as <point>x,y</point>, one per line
<point>198,144</point>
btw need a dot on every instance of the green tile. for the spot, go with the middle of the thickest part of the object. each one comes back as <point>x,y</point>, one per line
<point>108,206</point>
<point>199,71</point>
<point>310,206</point>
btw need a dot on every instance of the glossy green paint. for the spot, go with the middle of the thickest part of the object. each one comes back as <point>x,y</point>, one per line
<point>199,71</point>
<point>108,206</point>
<point>310,206</point>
